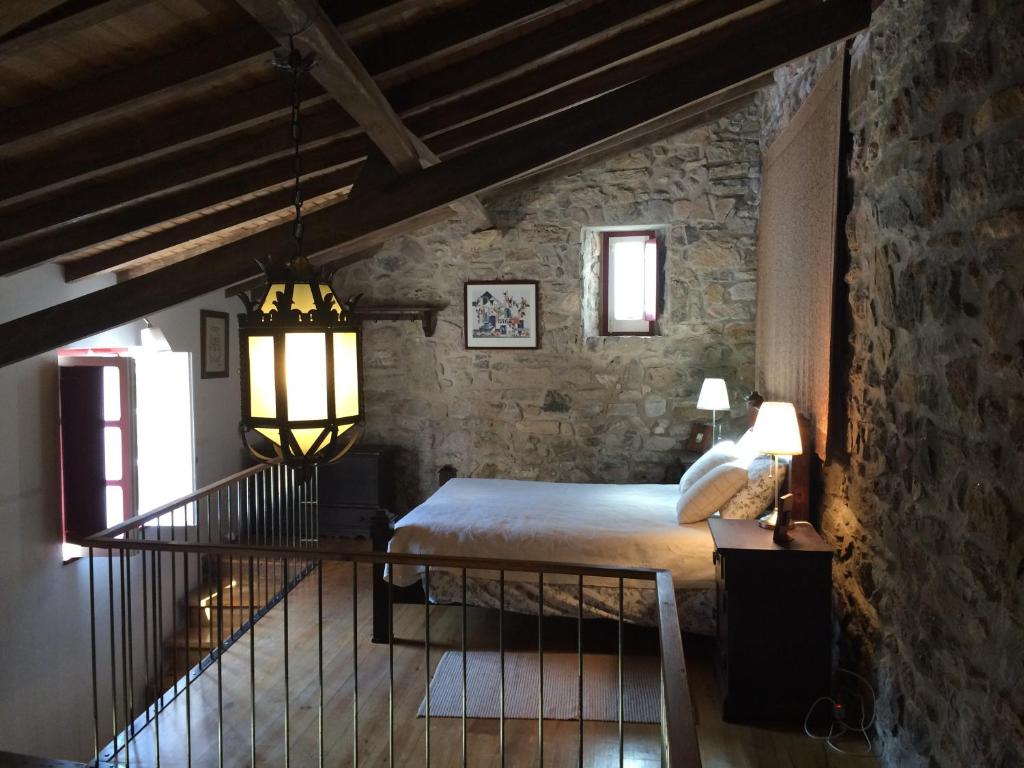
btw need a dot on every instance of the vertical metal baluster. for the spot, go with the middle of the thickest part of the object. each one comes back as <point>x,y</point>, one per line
<point>95,683</point>
<point>501,662</point>
<point>320,655</point>
<point>287,703</point>
<point>231,572</point>
<point>145,619</point>
<point>622,738</point>
<point>113,654</point>
<point>316,501</point>
<point>125,696</point>
<point>579,670</point>
<point>540,668</point>
<point>131,645</point>
<point>426,654</point>
<point>252,665</point>
<point>174,612</point>
<point>465,692</point>
<point>209,575</point>
<point>355,665</point>
<point>391,664</point>
<point>188,656</point>
<point>158,668</point>
<point>218,648</point>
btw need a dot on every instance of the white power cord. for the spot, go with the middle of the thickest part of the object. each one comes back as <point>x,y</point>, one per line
<point>839,727</point>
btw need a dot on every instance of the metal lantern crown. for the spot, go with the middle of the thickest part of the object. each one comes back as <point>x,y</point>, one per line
<point>300,348</point>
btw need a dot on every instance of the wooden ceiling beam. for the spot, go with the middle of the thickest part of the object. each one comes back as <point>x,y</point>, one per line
<point>34,169</point>
<point>718,61</point>
<point>205,225</point>
<point>181,73</point>
<point>339,72</point>
<point>78,207</point>
<point>48,23</point>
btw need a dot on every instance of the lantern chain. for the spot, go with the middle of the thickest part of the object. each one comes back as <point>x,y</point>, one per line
<point>298,66</point>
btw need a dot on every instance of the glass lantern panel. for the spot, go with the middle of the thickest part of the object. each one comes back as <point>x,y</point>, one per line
<point>273,435</point>
<point>268,301</point>
<point>346,374</point>
<point>305,356</point>
<point>302,298</point>
<point>306,437</point>
<point>262,396</point>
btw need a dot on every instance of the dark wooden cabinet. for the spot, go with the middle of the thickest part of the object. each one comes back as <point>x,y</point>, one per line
<point>774,616</point>
<point>356,491</point>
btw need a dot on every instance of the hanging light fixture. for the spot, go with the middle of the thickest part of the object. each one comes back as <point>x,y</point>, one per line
<point>300,347</point>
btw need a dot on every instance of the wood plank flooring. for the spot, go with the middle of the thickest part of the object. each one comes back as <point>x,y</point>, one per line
<point>721,744</point>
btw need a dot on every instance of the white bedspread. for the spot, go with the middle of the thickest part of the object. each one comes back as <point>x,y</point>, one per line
<point>628,525</point>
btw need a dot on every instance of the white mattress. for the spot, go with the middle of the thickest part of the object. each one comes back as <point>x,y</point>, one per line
<point>600,524</point>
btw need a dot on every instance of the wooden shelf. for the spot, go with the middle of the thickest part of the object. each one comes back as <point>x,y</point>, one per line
<point>426,314</point>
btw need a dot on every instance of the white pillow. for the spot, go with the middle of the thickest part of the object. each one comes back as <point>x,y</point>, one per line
<point>759,493</point>
<point>715,456</point>
<point>707,495</point>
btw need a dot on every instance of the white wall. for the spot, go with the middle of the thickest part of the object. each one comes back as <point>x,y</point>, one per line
<point>45,677</point>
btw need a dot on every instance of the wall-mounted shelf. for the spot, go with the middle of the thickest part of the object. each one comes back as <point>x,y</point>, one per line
<point>426,314</point>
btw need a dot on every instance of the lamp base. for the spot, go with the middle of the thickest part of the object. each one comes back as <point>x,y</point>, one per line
<point>769,523</point>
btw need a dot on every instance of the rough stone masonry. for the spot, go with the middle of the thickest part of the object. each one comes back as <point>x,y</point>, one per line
<point>926,507</point>
<point>582,407</point>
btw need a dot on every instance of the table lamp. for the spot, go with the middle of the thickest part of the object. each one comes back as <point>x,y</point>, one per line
<point>713,397</point>
<point>777,433</point>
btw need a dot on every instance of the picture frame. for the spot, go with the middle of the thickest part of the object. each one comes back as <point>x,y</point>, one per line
<point>700,438</point>
<point>502,314</point>
<point>214,346</point>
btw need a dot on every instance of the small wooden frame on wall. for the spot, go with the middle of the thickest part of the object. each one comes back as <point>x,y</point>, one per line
<point>502,314</point>
<point>700,438</point>
<point>214,340</point>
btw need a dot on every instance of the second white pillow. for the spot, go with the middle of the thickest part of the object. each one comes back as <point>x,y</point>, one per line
<point>708,494</point>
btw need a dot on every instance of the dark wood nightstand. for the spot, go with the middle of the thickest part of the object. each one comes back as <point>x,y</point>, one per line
<point>357,492</point>
<point>774,611</point>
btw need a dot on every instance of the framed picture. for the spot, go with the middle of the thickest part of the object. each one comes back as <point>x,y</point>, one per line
<point>213,336</point>
<point>502,314</point>
<point>700,437</point>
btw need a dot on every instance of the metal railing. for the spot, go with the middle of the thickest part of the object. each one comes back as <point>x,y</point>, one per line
<point>264,520</point>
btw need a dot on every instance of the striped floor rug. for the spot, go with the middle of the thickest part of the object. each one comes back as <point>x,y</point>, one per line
<point>641,685</point>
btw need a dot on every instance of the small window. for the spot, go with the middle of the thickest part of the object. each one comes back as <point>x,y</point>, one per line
<point>630,283</point>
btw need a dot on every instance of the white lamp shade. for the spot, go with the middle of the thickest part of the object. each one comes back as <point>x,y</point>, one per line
<point>713,396</point>
<point>776,430</point>
<point>153,339</point>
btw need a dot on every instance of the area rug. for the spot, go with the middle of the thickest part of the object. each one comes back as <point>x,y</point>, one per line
<point>641,686</point>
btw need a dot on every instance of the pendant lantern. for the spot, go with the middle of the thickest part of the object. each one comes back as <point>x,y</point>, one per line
<point>300,348</point>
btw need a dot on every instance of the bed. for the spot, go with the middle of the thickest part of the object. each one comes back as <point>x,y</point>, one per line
<point>600,524</point>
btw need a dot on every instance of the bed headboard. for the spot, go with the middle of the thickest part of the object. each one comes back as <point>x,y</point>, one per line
<point>804,478</point>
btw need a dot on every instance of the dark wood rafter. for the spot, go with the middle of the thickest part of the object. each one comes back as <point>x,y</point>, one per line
<point>717,60</point>
<point>79,207</point>
<point>48,21</point>
<point>171,130</point>
<point>339,72</point>
<point>15,14</point>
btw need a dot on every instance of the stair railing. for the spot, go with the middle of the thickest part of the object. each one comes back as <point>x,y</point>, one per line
<point>263,521</point>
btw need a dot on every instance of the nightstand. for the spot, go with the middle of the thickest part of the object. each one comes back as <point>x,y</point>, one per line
<point>774,618</point>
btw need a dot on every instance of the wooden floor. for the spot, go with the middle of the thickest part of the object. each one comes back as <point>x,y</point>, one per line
<point>721,744</point>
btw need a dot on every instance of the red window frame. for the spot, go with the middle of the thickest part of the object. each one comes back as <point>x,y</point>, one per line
<point>606,237</point>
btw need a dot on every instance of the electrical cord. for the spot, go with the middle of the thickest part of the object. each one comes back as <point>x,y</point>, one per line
<point>839,727</point>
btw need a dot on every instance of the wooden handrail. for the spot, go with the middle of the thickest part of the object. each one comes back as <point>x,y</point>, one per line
<point>678,726</point>
<point>137,520</point>
<point>99,541</point>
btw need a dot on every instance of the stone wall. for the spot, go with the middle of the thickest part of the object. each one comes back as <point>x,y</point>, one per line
<point>926,509</point>
<point>582,407</point>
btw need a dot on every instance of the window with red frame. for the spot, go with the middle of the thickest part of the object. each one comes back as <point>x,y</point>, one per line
<point>630,283</point>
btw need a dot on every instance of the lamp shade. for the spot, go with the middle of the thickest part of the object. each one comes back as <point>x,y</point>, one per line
<point>776,430</point>
<point>153,339</point>
<point>713,396</point>
<point>300,371</point>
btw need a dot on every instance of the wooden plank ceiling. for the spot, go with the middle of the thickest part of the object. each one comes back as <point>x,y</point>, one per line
<point>150,139</point>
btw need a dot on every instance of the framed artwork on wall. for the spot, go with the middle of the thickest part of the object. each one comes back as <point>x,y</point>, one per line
<point>213,337</point>
<point>502,314</point>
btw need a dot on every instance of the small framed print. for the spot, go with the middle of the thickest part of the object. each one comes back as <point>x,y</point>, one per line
<point>700,437</point>
<point>502,314</point>
<point>213,335</point>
